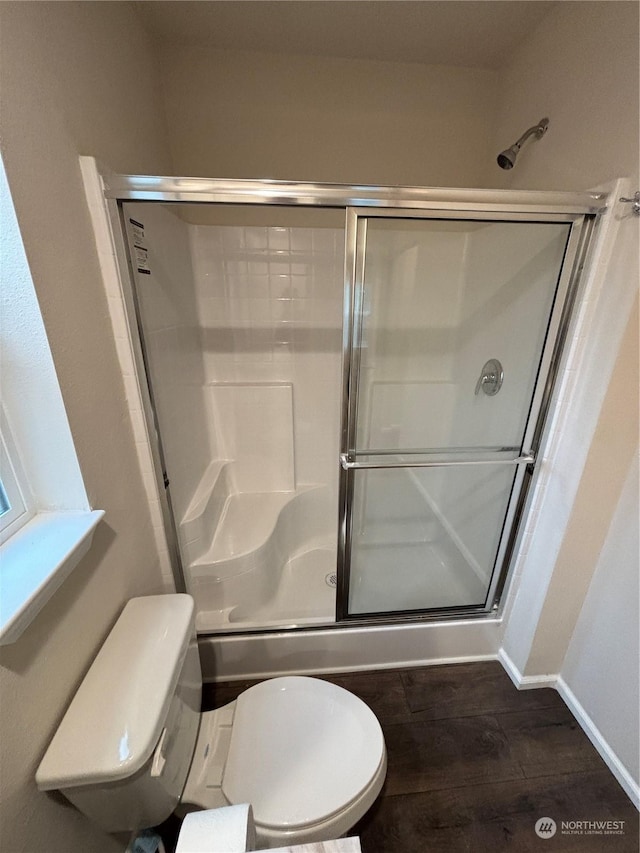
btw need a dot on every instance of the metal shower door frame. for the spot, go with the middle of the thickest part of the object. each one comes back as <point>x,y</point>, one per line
<point>356,201</point>
<point>524,459</point>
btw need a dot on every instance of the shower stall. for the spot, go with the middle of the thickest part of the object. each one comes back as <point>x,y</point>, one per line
<point>346,388</point>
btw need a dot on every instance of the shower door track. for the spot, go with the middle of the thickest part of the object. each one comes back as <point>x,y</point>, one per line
<point>291,193</point>
<point>580,210</point>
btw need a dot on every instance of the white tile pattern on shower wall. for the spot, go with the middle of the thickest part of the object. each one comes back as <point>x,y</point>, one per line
<point>270,311</point>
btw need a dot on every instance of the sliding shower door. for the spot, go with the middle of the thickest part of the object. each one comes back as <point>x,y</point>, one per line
<point>451,330</point>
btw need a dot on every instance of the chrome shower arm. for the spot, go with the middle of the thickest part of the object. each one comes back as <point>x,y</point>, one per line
<point>538,130</point>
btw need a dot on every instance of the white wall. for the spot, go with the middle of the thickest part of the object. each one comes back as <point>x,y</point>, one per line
<point>597,665</point>
<point>614,442</point>
<point>234,114</point>
<point>580,67</point>
<point>76,78</point>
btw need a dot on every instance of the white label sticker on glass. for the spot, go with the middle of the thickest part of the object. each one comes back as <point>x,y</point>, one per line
<point>139,248</point>
<point>137,232</point>
<point>142,260</point>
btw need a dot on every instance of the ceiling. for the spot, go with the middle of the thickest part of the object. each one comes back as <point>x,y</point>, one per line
<point>465,33</point>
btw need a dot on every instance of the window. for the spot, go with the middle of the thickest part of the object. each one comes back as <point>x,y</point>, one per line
<point>16,502</point>
<point>46,523</point>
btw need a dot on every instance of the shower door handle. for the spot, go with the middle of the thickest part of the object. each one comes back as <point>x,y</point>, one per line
<point>525,459</point>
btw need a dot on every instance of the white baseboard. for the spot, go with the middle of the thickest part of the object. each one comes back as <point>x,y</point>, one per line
<point>525,682</point>
<point>627,782</point>
<point>529,682</point>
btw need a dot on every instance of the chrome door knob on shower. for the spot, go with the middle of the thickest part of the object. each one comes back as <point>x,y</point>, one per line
<point>491,378</point>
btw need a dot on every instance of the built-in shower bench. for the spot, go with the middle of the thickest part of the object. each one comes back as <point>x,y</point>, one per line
<point>253,553</point>
<point>246,523</point>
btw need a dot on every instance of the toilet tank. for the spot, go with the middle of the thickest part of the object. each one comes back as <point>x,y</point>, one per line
<point>122,751</point>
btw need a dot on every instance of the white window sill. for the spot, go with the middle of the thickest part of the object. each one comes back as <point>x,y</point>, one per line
<point>35,561</point>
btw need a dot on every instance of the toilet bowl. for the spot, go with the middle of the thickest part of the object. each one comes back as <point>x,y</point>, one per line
<point>133,746</point>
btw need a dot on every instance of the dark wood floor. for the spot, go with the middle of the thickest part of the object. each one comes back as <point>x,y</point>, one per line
<point>473,764</point>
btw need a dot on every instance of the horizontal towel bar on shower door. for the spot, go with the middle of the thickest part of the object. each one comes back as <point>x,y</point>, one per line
<point>525,459</point>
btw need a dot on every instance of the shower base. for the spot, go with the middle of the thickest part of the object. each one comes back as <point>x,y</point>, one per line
<point>266,562</point>
<point>302,598</point>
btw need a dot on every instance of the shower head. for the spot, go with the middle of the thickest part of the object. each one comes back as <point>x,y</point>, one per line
<point>507,158</point>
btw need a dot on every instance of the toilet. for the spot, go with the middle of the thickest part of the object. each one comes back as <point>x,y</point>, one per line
<point>134,747</point>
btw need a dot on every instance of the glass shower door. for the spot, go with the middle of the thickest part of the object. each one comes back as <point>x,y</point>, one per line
<point>452,329</point>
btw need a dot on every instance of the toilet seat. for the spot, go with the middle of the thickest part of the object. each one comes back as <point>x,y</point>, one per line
<point>303,751</point>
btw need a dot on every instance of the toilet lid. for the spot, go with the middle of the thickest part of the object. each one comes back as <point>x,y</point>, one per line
<point>301,750</point>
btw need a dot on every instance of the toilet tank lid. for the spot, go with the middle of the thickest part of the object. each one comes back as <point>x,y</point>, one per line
<point>116,717</point>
